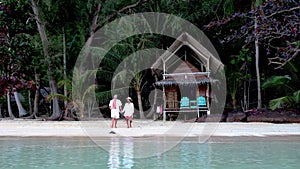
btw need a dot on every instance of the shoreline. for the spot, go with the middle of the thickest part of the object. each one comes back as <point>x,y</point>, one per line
<point>144,128</point>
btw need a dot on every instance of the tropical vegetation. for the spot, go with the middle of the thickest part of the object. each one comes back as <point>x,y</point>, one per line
<point>40,40</point>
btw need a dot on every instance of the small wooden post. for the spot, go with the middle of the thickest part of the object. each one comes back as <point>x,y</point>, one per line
<point>208,88</point>
<point>164,93</point>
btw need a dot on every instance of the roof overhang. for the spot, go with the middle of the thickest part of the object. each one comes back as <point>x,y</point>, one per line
<point>203,54</point>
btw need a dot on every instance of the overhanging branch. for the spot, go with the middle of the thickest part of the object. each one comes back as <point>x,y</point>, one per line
<point>109,17</point>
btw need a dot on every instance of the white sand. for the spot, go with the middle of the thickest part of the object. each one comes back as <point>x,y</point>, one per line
<point>25,128</point>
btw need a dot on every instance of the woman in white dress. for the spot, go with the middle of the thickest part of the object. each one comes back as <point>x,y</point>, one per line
<point>129,110</point>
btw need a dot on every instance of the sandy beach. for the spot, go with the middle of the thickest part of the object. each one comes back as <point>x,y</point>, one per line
<point>142,128</point>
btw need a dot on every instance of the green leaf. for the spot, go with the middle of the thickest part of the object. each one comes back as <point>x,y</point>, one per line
<point>60,96</point>
<point>248,76</point>
<point>280,102</point>
<point>297,96</point>
<point>249,59</point>
<point>275,81</point>
<point>258,3</point>
<point>292,66</point>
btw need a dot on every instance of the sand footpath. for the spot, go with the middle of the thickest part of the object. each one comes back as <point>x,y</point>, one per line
<point>142,128</point>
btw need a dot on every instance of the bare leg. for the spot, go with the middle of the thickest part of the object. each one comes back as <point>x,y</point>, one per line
<point>127,123</point>
<point>130,123</point>
<point>112,122</point>
<point>116,120</point>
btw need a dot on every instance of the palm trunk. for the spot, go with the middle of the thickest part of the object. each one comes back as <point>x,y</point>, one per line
<point>65,64</point>
<point>253,6</point>
<point>142,116</point>
<point>153,109</point>
<point>29,102</point>
<point>56,111</point>
<point>257,67</point>
<point>22,111</point>
<point>88,43</point>
<point>45,43</point>
<point>233,101</point>
<point>9,106</point>
<point>248,104</point>
<point>36,96</point>
<point>1,110</point>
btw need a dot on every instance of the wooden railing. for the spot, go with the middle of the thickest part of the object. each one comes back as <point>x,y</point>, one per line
<point>186,105</point>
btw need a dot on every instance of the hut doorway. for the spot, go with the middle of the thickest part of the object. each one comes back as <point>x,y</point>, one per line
<point>172,97</point>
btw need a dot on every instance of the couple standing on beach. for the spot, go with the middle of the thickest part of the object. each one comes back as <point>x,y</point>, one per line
<point>115,106</point>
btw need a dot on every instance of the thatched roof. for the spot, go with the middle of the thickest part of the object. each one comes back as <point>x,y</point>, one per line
<point>184,74</point>
<point>186,67</point>
<point>170,82</point>
<point>202,54</point>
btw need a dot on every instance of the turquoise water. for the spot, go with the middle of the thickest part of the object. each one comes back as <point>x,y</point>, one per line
<point>217,153</point>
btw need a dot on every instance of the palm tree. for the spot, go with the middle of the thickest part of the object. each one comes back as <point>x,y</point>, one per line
<point>22,111</point>
<point>80,96</point>
<point>292,97</point>
<point>11,115</point>
<point>129,76</point>
<point>255,4</point>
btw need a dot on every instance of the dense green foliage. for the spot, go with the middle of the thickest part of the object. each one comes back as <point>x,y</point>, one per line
<point>23,64</point>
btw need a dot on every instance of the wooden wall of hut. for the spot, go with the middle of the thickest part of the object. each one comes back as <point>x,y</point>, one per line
<point>173,95</point>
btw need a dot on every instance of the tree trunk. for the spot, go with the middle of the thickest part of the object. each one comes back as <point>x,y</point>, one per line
<point>9,106</point>
<point>153,109</point>
<point>45,43</point>
<point>245,103</point>
<point>142,116</point>
<point>88,43</point>
<point>249,84</point>
<point>257,66</point>
<point>254,4</point>
<point>29,102</point>
<point>1,110</point>
<point>65,64</point>
<point>36,96</point>
<point>22,111</point>
<point>56,111</point>
<point>233,102</point>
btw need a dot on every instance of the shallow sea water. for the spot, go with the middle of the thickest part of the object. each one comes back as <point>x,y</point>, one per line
<point>216,153</point>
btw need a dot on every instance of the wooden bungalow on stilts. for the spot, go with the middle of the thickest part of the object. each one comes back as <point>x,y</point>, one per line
<point>184,70</point>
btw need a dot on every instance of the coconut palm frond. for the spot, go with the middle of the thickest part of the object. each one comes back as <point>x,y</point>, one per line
<point>105,75</point>
<point>79,78</point>
<point>280,102</point>
<point>97,51</point>
<point>122,76</point>
<point>89,90</point>
<point>66,82</point>
<point>109,62</point>
<point>275,81</point>
<point>297,96</point>
<point>292,67</point>
<point>60,96</point>
<point>105,96</point>
<point>79,83</point>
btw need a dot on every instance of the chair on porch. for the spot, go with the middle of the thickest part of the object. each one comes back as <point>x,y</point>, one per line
<point>201,102</point>
<point>202,106</point>
<point>185,102</point>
